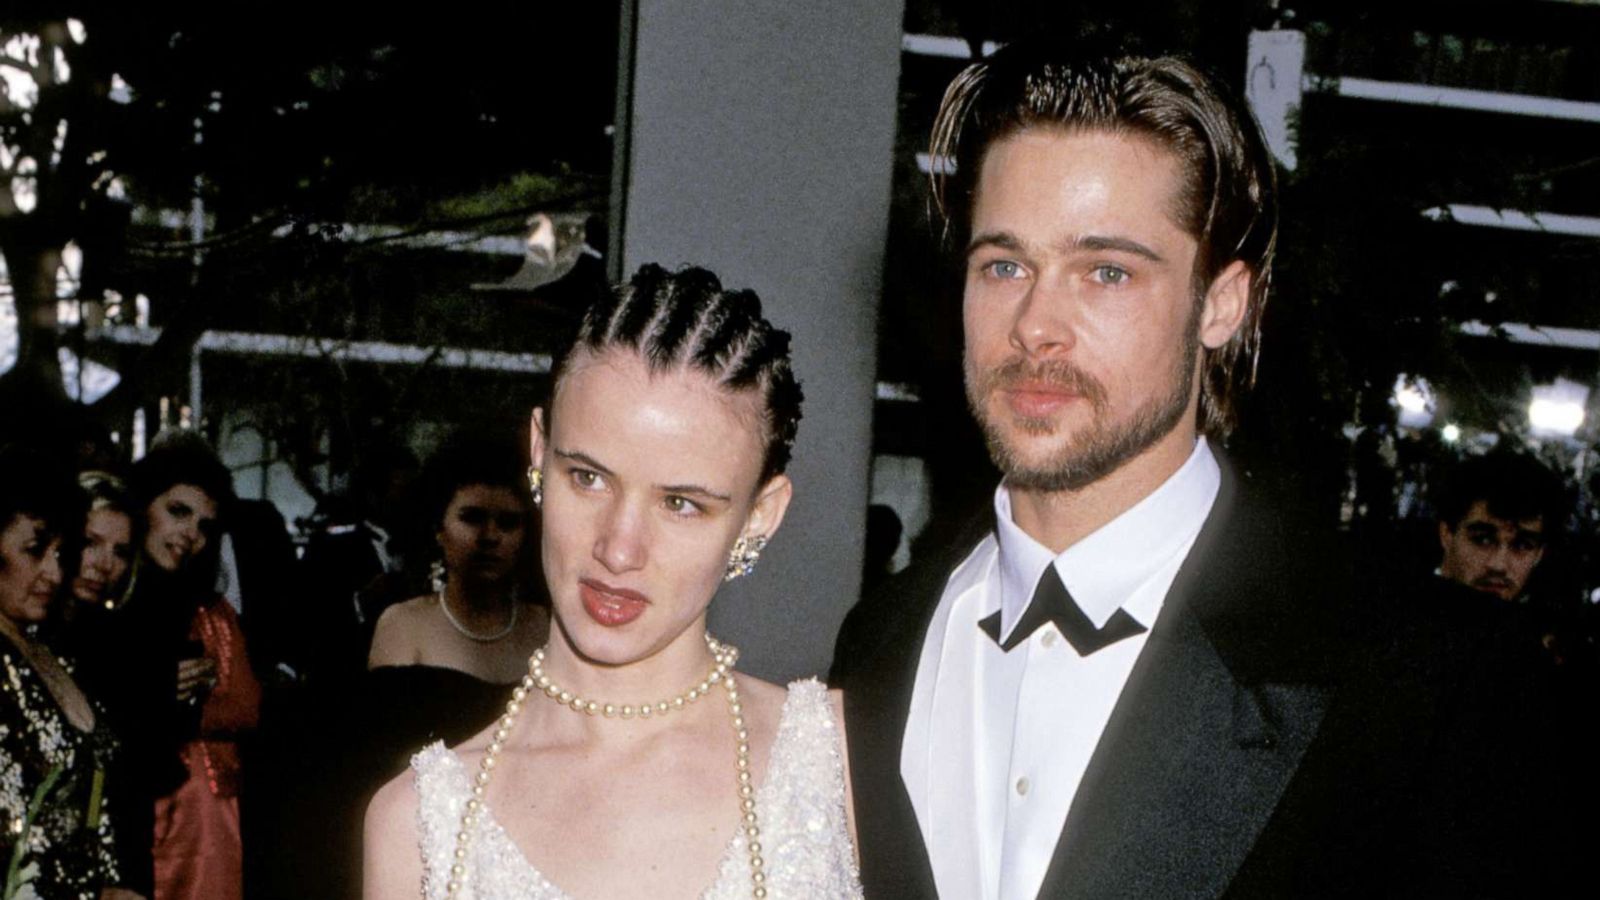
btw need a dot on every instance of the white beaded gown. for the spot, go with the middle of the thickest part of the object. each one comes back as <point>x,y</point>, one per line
<point>804,838</point>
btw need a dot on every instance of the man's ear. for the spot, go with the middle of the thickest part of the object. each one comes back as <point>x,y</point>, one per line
<point>536,437</point>
<point>771,503</point>
<point>1227,301</point>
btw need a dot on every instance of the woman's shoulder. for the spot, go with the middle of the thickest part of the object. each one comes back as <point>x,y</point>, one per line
<point>391,865</point>
<point>407,611</point>
<point>396,636</point>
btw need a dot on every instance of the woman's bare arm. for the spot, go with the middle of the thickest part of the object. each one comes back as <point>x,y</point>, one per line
<point>391,857</point>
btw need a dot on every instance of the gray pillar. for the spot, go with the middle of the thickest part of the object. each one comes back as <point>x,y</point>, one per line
<point>759,145</point>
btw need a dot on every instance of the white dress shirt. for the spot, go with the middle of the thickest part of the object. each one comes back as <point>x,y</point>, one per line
<point>996,743</point>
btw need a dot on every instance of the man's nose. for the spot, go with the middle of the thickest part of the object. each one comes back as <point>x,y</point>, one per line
<point>1500,558</point>
<point>1042,326</point>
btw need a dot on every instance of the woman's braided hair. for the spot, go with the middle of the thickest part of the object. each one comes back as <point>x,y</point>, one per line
<point>685,319</point>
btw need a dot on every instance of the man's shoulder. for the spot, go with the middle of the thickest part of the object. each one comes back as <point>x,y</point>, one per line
<point>1355,600</point>
<point>893,616</point>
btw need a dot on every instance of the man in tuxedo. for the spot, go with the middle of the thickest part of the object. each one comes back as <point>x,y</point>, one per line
<point>1147,677</point>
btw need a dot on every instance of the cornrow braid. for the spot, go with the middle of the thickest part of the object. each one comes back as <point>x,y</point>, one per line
<point>684,319</point>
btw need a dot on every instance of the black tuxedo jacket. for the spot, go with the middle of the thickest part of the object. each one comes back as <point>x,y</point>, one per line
<point>1286,732</point>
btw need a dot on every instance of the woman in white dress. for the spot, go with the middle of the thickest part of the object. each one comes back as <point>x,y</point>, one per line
<point>633,761</point>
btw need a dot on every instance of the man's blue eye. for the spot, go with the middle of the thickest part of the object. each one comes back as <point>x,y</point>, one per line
<point>1111,274</point>
<point>1005,269</point>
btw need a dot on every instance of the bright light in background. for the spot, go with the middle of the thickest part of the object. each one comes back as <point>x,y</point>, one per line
<point>121,92</point>
<point>25,187</point>
<point>1413,399</point>
<point>1451,433</point>
<point>96,380</point>
<point>1557,409</point>
<point>138,433</point>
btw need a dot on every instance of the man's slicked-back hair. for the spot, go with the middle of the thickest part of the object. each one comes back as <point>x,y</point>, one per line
<point>1228,198</point>
<point>685,320</point>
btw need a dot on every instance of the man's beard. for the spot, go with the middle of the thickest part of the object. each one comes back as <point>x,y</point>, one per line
<point>1102,447</point>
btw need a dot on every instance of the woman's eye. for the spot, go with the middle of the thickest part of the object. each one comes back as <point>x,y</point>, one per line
<point>585,479</point>
<point>1111,275</point>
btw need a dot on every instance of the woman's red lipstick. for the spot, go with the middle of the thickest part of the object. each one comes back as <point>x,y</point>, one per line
<point>610,606</point>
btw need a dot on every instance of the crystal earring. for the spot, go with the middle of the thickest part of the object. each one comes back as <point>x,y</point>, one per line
<point>742,558</point>
<point>536,485</point>
<point>436,575</point>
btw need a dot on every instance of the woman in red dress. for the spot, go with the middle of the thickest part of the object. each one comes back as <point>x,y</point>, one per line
<point>198,852</point>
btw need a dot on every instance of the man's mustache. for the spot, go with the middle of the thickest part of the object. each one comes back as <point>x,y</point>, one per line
<point>1019,370</point>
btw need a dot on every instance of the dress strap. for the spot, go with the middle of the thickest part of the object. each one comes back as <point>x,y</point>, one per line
<point>442,789</point>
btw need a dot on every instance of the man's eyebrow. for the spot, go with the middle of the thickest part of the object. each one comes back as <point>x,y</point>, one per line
<point>694,490</point>
<point>1100,242</point>
<point>1003,240</point>
<point>583,458</point>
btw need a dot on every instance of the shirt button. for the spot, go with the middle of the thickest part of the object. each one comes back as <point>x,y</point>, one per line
<point>1049,639</point>
<point>1022,786</point>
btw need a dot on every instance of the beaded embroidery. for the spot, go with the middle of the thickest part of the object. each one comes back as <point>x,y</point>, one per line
<point>805,840</point>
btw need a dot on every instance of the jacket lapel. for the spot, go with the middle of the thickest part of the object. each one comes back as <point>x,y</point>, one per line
<point>889,633</point>
<point>1206,735</point>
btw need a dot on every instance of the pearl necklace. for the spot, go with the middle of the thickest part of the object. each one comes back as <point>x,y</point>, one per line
<point>536,680</point>
<point>473,635</point>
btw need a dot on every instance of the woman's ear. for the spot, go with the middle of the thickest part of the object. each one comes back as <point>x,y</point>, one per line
<point>771,503</point>
<point>536,437</point>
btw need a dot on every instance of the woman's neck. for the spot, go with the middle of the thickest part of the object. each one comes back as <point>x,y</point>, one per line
<point>670,673</point>
<point>16,634</point>
<point>62,688</point>
<point>484,597</point>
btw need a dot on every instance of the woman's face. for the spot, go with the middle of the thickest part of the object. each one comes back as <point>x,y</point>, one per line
<point>482,533</point>
<point>181,521</point>
<point>107,553</point>
<point>648,480</point>
<point>30,569</point>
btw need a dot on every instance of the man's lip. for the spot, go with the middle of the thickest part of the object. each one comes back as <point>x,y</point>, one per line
<point>1040,387</point>
<point>617,592</point>
<point>1035,399</point>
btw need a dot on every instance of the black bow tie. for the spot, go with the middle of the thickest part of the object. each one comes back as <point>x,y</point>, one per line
<point>1052,603</point>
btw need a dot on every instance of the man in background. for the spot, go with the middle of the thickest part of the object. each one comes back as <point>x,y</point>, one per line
<point>1496,515</point>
